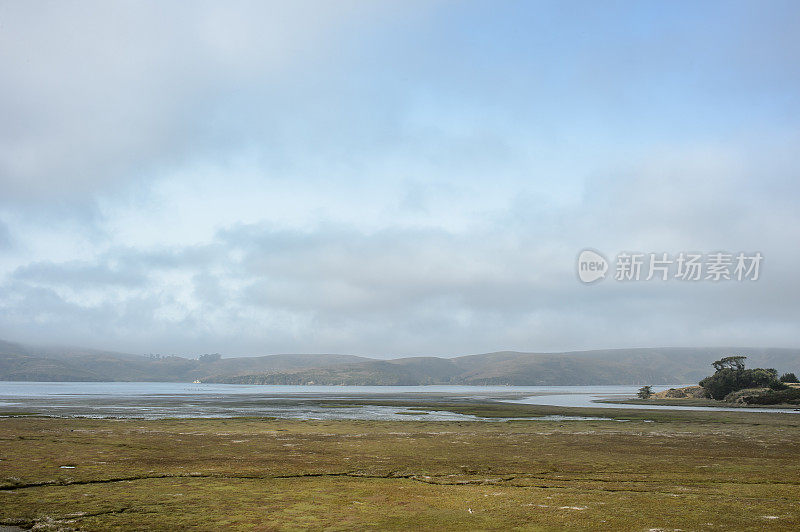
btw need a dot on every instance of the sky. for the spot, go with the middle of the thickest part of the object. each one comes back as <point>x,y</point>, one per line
<point>394,178</point>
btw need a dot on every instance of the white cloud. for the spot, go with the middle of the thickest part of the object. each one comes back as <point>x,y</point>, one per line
<point>384,178</point>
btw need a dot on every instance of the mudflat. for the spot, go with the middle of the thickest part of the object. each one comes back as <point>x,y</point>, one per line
<point>687,470</point>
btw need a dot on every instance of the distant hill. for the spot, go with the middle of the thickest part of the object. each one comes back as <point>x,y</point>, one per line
<point>400,372</point>
<point>28,363</point>
<point>612,366</point>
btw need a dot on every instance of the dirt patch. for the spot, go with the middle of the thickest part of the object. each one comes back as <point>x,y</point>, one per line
<point>689,392</point>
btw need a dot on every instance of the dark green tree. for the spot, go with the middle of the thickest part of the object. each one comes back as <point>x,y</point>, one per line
<point>645,392</point>
<point>734,362</point>
<point>731,376</point>
<point>789,377</point>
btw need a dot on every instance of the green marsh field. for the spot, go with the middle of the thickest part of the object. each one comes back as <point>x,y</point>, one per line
<point>663,470</point>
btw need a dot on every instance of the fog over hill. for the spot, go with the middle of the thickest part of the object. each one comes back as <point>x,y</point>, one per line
<point>667,365</point>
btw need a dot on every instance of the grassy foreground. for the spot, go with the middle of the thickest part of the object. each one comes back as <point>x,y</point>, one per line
<point>206,474</point>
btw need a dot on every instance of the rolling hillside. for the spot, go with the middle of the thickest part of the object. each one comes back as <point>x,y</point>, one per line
<point>614,366</point>
<point>618,366</point>
<point>26,363</point>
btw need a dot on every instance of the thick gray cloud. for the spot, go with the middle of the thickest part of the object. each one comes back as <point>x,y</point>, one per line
<point>96,95</point>
<point>389,292</point>
<point>392,178</point>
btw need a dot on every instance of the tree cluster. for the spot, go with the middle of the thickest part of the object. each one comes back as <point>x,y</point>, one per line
<point>731,376</point>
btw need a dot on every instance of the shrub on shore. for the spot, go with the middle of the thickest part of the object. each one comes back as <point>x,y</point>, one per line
<point>764,396</point>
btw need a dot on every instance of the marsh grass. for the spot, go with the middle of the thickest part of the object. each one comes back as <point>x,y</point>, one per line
<point>687,470</point>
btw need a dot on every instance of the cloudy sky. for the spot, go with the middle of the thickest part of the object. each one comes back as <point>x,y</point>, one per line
<point>394,177</point>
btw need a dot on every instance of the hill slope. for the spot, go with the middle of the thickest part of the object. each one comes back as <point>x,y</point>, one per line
<point>617,366</point>
<point>27,363</point>
<point>614,366</point>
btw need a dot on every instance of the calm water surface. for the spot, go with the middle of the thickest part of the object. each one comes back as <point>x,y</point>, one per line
<point>166,399</point>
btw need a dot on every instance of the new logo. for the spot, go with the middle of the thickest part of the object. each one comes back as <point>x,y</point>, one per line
<point>592,266</point>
